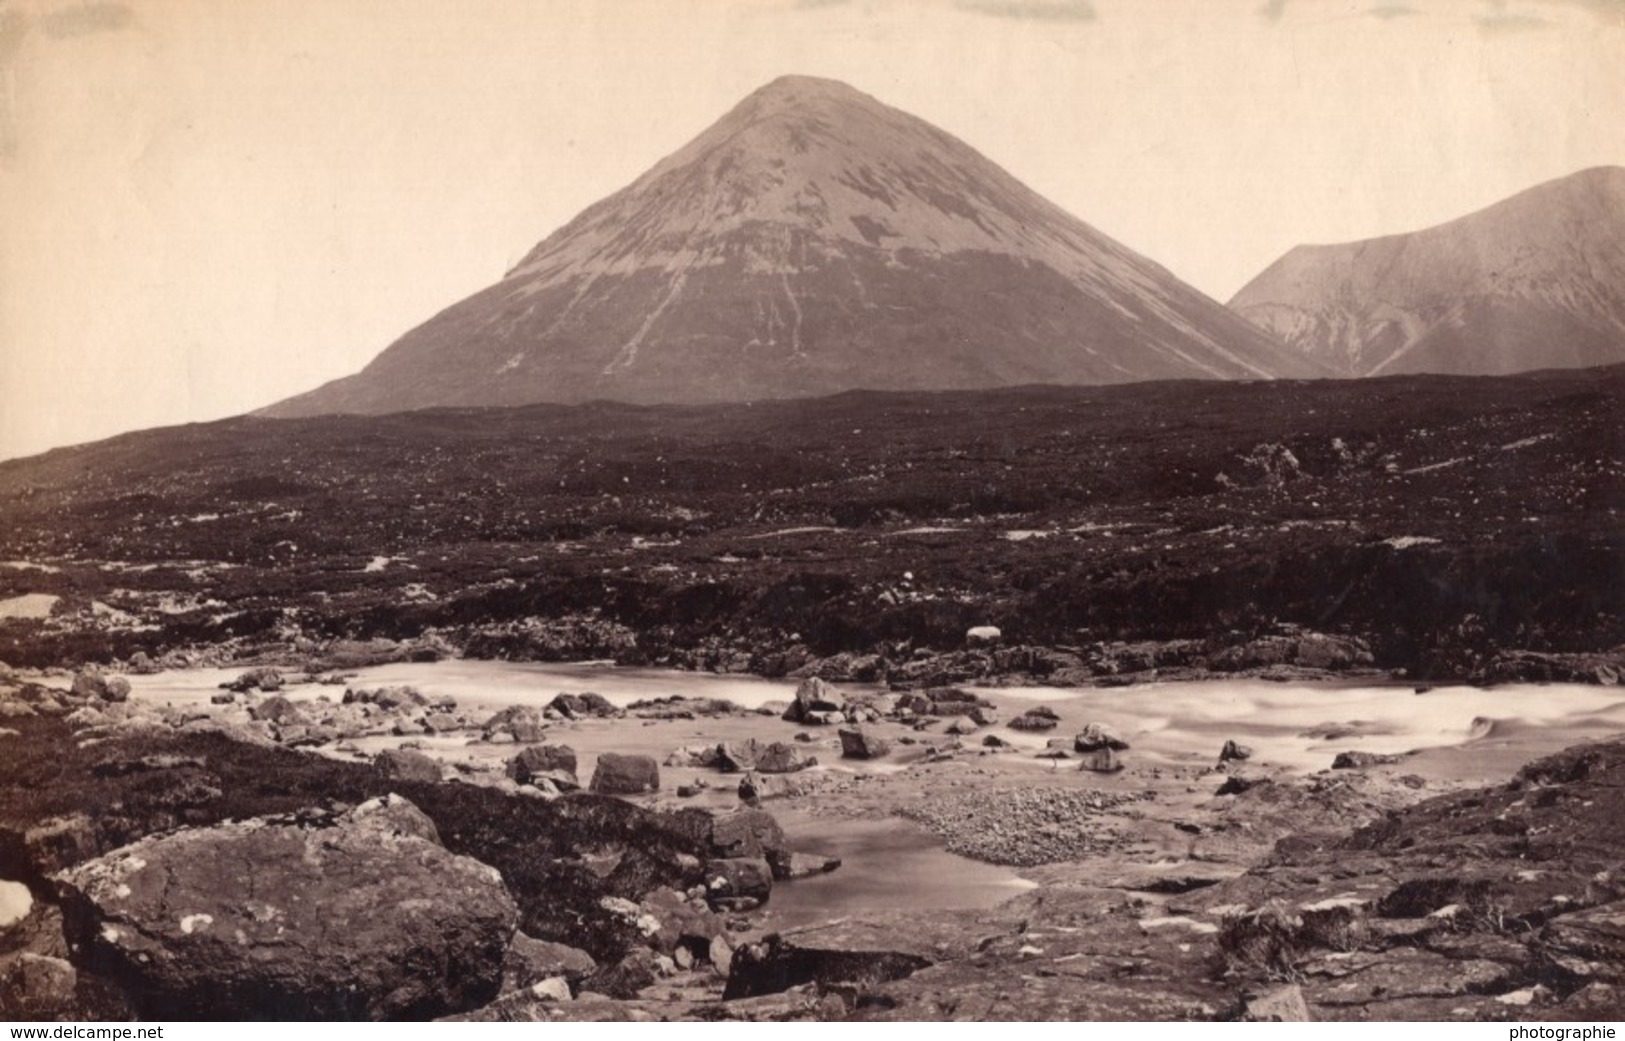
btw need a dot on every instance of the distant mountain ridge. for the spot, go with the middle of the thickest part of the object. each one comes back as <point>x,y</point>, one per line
<point>1535,281</point>
<point>811,241</point>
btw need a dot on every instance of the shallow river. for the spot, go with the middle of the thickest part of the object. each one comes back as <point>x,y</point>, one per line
<point>1471,734</point>
<point>1173,721</point>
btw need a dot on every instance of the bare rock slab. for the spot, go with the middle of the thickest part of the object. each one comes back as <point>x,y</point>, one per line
<point>867,952</point>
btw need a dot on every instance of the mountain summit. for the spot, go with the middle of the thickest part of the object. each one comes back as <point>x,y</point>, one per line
<point>1535,281</point>
<point>811,241</point>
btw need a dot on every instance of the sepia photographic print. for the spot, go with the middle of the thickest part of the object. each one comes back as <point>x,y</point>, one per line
<point>571,511</point>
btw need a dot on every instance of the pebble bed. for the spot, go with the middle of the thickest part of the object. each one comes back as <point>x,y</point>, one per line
<point>1024,827</point>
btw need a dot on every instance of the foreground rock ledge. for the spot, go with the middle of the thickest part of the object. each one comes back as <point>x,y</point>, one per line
<point>361,916</point>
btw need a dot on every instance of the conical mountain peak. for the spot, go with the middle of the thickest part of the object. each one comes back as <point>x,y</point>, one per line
<point>792,91</point>
<point>816,155</point>
<point>812,240</point>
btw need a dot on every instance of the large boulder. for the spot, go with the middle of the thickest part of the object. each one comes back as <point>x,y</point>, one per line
<point>945,701</point>
<point>389,698</point>
<point>1038,718</point>
<point>618,774</point>
<point>859,744</point>
<point>814,701</point>
<point>578,706</point>
<point>747,833</point>
<point>359,916</point>
<point>522,723</point>
<point>405,764</point>
<point>264,677</point>
<point>89,685</point>
<point>545,762</point>
<point>730,882</point>
<point>780,758</point>
<point>736,757</point>
<point>625,978</point>
<point>280,711</point>
<point>1095,736</point>
<point>530,961</point>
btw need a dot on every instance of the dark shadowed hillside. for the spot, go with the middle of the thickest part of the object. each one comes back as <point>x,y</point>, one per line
<point>1440,518</point>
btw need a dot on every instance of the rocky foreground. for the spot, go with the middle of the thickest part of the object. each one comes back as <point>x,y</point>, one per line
<point>167,863</point>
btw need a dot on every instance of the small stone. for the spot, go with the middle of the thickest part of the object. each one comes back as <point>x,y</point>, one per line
<point>37,986</point>
<point>722,956</point>
<point>556,988</point>
<point>1281,1005</point>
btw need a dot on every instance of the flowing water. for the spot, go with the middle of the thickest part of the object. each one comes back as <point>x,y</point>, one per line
<point>1472,734</point>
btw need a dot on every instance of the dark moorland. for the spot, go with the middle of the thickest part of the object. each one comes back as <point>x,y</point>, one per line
<point>1441,520</point>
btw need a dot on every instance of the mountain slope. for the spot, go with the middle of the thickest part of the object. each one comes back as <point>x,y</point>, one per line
<point>811,241</point>
<point>1535,281</point>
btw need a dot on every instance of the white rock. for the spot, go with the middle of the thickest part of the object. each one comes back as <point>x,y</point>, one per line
<point>554,988</point>
<point>722,956</point>
<point>15,903</point>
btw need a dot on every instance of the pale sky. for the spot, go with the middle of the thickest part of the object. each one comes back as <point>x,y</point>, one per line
<point>209,205</point>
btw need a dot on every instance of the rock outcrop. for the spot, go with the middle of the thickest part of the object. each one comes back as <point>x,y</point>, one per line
<point>1497,903</point>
